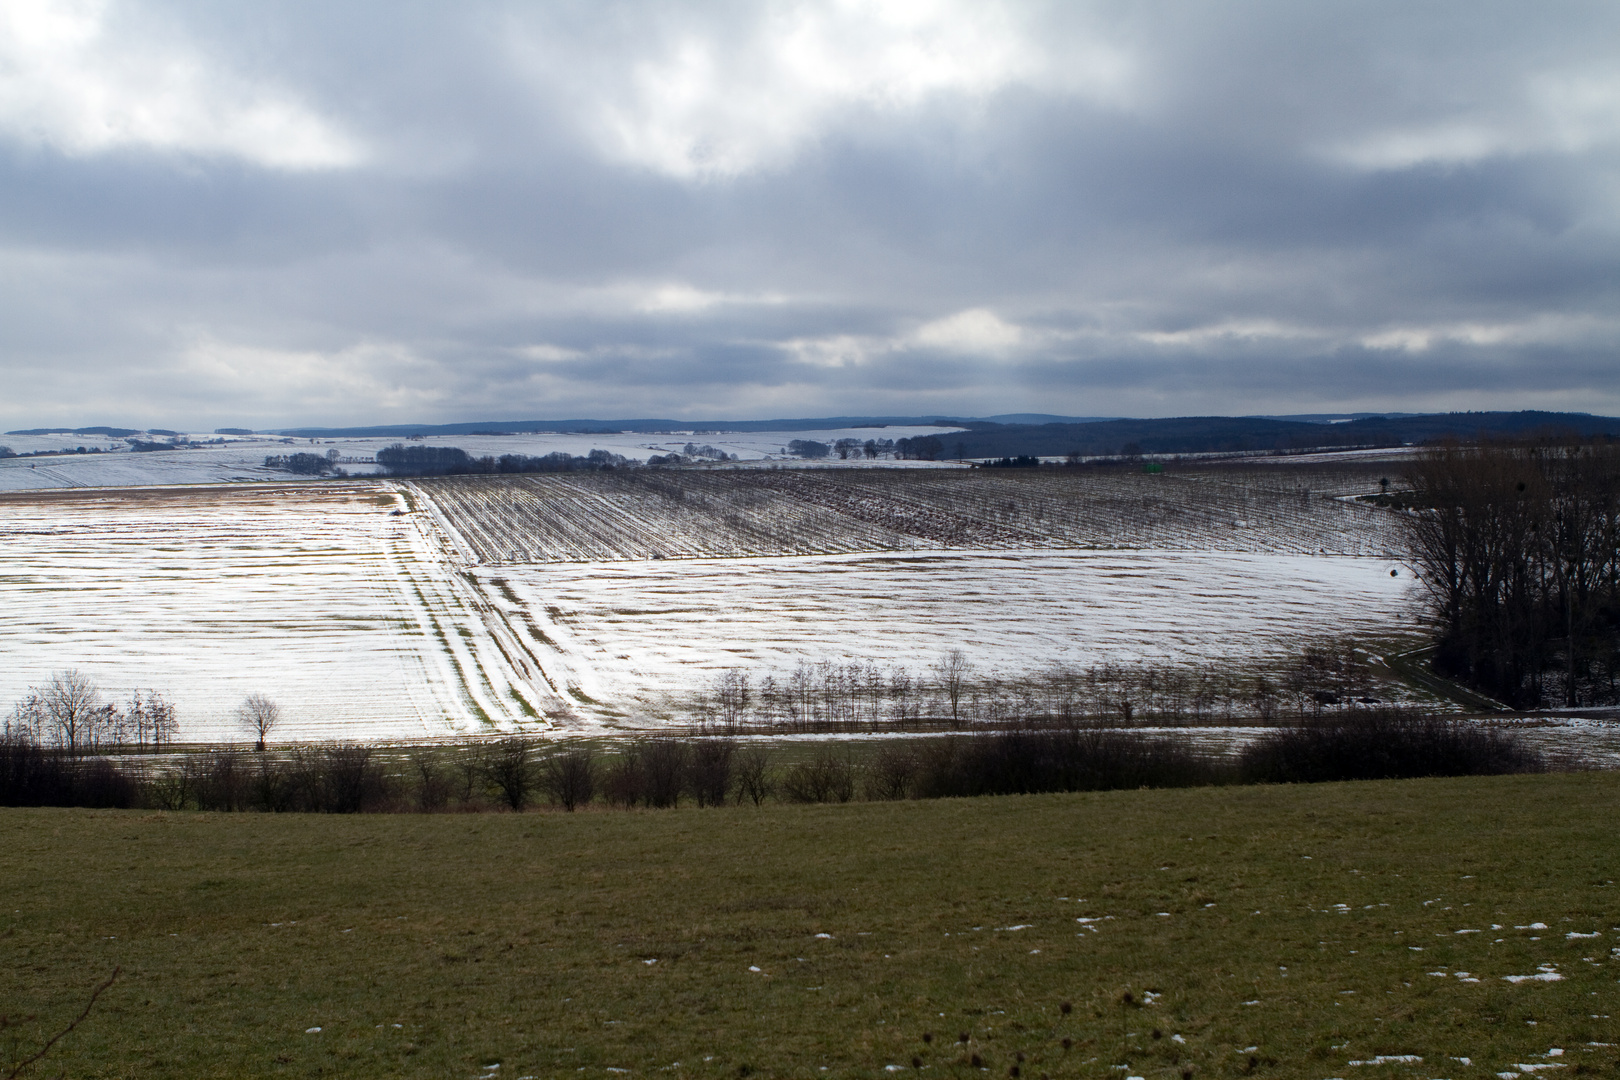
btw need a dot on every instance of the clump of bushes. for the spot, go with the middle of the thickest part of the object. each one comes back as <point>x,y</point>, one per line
<point>343,778</point>
<point>1383,744</point>
<point>303,464</point>
<point>36,775</point>
<point>661,772</point>
<point>1020,762</point>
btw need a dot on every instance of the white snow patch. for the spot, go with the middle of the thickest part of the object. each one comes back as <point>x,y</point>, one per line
<point>1546,973</point>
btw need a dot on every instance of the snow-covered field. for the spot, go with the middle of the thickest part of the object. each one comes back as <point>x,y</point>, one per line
<point>632,633</point>
<point>319,598</point>
<point>482,610</point>
<point>642,514</point>
<point>241,458</point>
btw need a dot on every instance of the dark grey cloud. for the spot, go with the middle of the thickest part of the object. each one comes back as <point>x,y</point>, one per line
<point>305,213</point>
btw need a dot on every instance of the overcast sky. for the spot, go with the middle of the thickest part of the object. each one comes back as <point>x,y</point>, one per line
<point>296,213</point>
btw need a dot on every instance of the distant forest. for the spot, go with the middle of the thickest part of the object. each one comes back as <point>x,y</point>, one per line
<point>402,460</point>
<point>1236,434</point>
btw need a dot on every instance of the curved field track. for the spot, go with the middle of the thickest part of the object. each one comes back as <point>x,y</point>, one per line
<point>347,614</point>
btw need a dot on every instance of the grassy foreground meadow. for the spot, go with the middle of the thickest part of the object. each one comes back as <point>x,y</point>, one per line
<point>1303,931</point>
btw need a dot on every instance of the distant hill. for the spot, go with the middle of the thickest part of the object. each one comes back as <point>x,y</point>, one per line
<point>651,427</point>
<point>1041,434</point>
<point>1230,434</point>
<point>110,432</point>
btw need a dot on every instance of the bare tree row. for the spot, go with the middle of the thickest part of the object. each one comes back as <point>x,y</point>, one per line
<point>830,696</point>
<point>70,712</point>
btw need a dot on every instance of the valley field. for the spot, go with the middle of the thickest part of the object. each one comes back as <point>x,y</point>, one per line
<point>378,609</point>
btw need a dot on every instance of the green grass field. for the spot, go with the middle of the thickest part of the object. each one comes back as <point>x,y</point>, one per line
<point>1286,932</point>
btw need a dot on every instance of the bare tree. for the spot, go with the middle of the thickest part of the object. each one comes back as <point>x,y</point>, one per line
<point>150,720</point>
<point>259,715</point>
<point>508,768</point>
<point>953,670</point>
<point>732,697</point>
<point>68,711</point>
<point>753,768</point>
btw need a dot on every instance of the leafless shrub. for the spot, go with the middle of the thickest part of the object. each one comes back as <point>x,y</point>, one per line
<point>622,784</point>
<point>348,779</point>
<point>172,789</point>
<point>892,772</point>
<point>1065,759</point>
<point>221,780</point>
<point>709,773</point>
<point>828,776</point>
<point>1384,744</point>
<point>433,782</point>
<point>663,771</point>
<point>508,769</point>
<point>35,775</point>
<point>754,779</point>
<point>568,777</point>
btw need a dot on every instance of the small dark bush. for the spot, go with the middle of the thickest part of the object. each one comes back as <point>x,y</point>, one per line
<point>893,772</point>
<point>35,775</point>
<point>827,777</point>
<point>346,780</point>
<point>754,779</point>
<point>1067,759</point>
<point>622,784</point>
<point>434,784</point>
<point>710,771</point>
<point>509,770</point>
<point>568,777</point>
<point>808,448</point>
<point>219,781</point>
<point>1384,744</point>
<point>663,772</point>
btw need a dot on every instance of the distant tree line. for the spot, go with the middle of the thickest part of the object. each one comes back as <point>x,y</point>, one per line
<point>692,452</point>
<point>870,449</point>
<point>304,464</point>
<point>856,696</point>
<point>402,460</point>
<point>921,448</point>
<point>1517,548</point>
